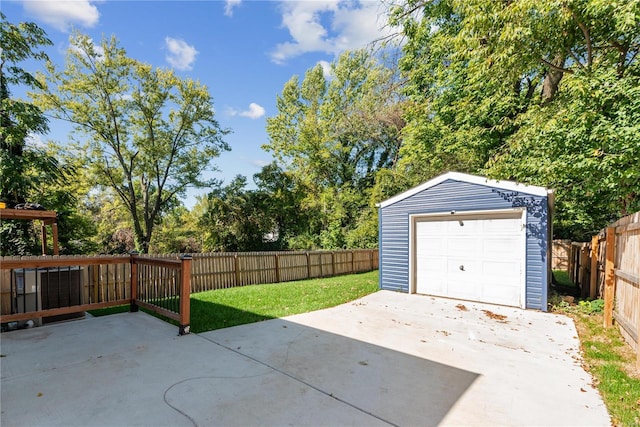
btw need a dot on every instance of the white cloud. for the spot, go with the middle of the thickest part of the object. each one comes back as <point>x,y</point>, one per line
<point>181,54</point>
<point>326,69</point>
<point>329,26</point>
<point>254,112</point>
<point>64,14</point>
<point>229,5</point>
<point>260,163</point>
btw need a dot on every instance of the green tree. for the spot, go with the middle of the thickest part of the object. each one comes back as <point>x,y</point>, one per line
<point>25,168</point>
<point>541,92</point>
<point>150,134</point>
<point>334,134</point>
<point>178,233</point>
<point>232,218</point>
<point>281,199</point>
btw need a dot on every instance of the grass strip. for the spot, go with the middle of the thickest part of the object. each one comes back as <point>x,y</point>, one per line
<point>608,358</point>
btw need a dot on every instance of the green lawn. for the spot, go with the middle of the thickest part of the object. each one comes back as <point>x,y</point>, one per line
<point>247,304</point>
<point>223,308</point>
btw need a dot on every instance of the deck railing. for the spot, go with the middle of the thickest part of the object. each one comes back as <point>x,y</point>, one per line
<point>42,289</point>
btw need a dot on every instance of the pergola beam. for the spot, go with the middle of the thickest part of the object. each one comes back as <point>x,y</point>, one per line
<point>47,218</point>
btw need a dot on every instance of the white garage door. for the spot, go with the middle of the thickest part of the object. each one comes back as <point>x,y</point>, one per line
<point>478,258</point>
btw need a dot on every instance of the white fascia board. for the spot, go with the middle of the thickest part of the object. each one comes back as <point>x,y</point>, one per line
<point>472,179</point>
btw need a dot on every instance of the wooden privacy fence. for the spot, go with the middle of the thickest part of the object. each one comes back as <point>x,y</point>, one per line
<point>44,288</point>
<point>560,254</point>
<point>220,270</point>
<point>609,267</point>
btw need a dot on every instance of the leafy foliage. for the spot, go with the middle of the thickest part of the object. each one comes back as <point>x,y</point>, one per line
<point>333,134</point>
<point>150,134</point>
<point>28,171</point>
<point>540,92</point>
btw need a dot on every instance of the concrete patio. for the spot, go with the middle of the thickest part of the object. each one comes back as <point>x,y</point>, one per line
<point>386,359</point>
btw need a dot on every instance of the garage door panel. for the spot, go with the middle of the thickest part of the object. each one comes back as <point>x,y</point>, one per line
<point>504,271</point>
<point>478,259</point>
<point>431,246</point>
<point>462,247</point>
<point>432,271</point>
<point>500,294</point>
<point>507,227</point>
<point>501,248</point>
<point>463,288</point>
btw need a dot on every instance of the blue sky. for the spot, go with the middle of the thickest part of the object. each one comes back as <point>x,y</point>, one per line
<point>244,51</point>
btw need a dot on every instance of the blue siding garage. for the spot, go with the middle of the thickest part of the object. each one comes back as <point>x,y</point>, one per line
<point>468,237</point>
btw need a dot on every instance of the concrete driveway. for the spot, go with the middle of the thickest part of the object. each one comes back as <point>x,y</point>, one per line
<point>386,359</point>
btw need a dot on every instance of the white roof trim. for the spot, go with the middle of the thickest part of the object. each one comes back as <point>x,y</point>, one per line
<point>473,179</point>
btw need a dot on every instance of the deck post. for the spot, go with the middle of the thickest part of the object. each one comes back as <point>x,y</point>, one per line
<point>43,230</point>
<point>133,306</point>
<point>185,294</point>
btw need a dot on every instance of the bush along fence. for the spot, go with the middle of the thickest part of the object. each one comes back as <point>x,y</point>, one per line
<point>220,270</point>
<point>609,267</point>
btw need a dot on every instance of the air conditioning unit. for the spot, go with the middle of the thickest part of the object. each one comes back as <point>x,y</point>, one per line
<point>46,288</point>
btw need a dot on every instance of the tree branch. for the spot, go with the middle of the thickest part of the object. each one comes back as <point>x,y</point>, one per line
<point>585,33</point>
<point>555,67</point>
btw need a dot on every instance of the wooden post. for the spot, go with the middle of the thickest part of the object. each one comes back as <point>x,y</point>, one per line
<point>43,229</point>
<point>638,342</point>
<point>133,307</point>
<point>236,267</point>
<point>353,262</point>
<point>593,278</point>
<point>308,266</point>
<point>333,264</point>
<point>185,294</point>
<point>277,270</point>
<point>584,259</point>
<point>609,278</point>
<point>54,232</point>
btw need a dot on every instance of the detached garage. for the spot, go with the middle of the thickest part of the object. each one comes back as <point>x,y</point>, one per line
<point>468,237</point>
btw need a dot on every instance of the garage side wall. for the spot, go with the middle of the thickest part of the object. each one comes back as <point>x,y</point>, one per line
<point>463,196</point>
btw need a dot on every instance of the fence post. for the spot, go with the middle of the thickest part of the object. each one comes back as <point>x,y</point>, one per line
<point>133,306</point>
<point>185,294</point>
<point>638,343</point>
<point>236,267</point>
<point>308,266</point>
<point>609,278</point>
<point>333,263</point>
<point>353,261</point>
<point>593,278</point>
<point>277,270</point>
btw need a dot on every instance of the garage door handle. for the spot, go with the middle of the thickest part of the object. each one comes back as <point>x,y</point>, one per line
<point>461,267</point>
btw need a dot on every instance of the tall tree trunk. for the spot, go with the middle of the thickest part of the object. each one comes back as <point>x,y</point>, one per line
<point>552,79</point>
